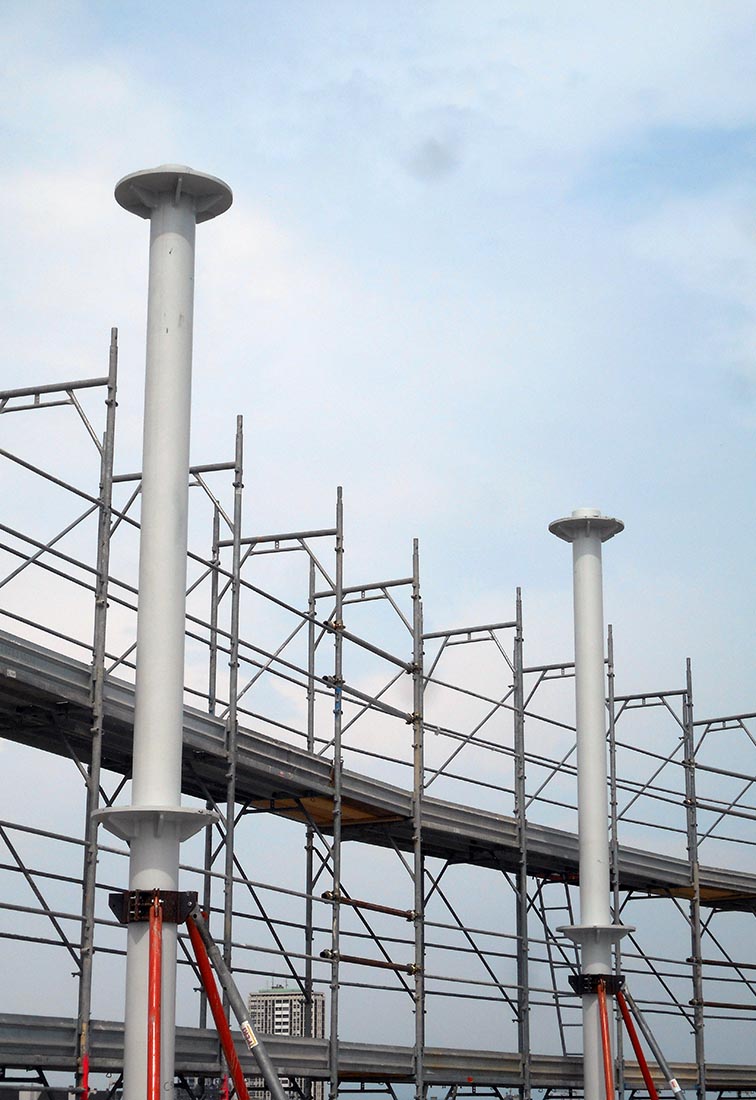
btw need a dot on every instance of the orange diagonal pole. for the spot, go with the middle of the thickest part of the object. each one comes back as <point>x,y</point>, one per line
<point>154,996</point>
<point>606,1043</point>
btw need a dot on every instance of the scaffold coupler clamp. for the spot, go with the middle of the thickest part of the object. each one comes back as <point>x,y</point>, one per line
<point>132,906</point>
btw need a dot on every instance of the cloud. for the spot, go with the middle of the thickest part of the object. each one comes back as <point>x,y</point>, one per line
<point>705,241</point>
<point>432,159</point>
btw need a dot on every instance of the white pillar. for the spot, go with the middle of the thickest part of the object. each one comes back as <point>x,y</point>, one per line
<point>587,529</point>
<point>174,199</point>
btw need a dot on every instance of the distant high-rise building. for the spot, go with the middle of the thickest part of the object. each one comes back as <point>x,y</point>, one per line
<point>281,1011</point>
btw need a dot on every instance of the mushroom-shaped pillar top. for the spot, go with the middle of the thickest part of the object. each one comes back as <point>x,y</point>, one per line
<point>141,192</point>
<point>586,521</point>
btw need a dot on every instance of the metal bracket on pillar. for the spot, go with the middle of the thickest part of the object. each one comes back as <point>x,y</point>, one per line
<point>128,906</point>
<point>589,983</point>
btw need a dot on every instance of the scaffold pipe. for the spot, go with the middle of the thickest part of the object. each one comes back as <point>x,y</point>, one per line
<point>656,1050</point>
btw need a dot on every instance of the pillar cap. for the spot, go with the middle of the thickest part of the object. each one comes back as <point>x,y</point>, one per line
<point>139,191</point>
<point>586,521</point>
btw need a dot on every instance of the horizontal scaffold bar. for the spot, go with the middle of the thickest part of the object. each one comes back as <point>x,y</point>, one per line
<point>54,387</point>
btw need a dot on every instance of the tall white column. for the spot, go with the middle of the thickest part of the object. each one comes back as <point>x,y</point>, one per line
<point>587,529</point>
<point>174,199</point>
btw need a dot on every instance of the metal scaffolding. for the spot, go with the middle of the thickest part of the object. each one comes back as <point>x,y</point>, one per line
<point>433,792</point>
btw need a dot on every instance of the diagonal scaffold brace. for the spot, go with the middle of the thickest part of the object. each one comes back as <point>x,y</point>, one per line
<point>206,952</point>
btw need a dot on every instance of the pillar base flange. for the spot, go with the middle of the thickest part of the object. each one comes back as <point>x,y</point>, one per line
<point>129,822</point>
<point>595,933</point>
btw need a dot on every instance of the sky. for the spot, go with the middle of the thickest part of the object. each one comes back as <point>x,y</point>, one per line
<point>486,263</point>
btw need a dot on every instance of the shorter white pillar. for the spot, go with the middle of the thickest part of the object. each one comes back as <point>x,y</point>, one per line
<point>587,529</point>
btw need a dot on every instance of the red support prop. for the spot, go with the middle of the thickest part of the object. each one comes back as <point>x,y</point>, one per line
<point>85,1077</point>
<point>154,1000</point>
<point>216,1007</point>
<point>630,1027</point>
<point>606,1042</point>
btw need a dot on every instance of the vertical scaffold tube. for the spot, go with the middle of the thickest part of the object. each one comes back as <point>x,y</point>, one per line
<point>338,681</point>
<point>523,980</point>
<point>586,529</point>
<point>212,702</point>
<point>98,711</point>
<point>696,932</point>
<point>614,840</point>
<point>309,935</point>
<point>232,718</point>
<point>418,858</point>
<point>174,199</point>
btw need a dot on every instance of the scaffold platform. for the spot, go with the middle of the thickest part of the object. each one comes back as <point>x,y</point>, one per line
<point>44,703</point>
